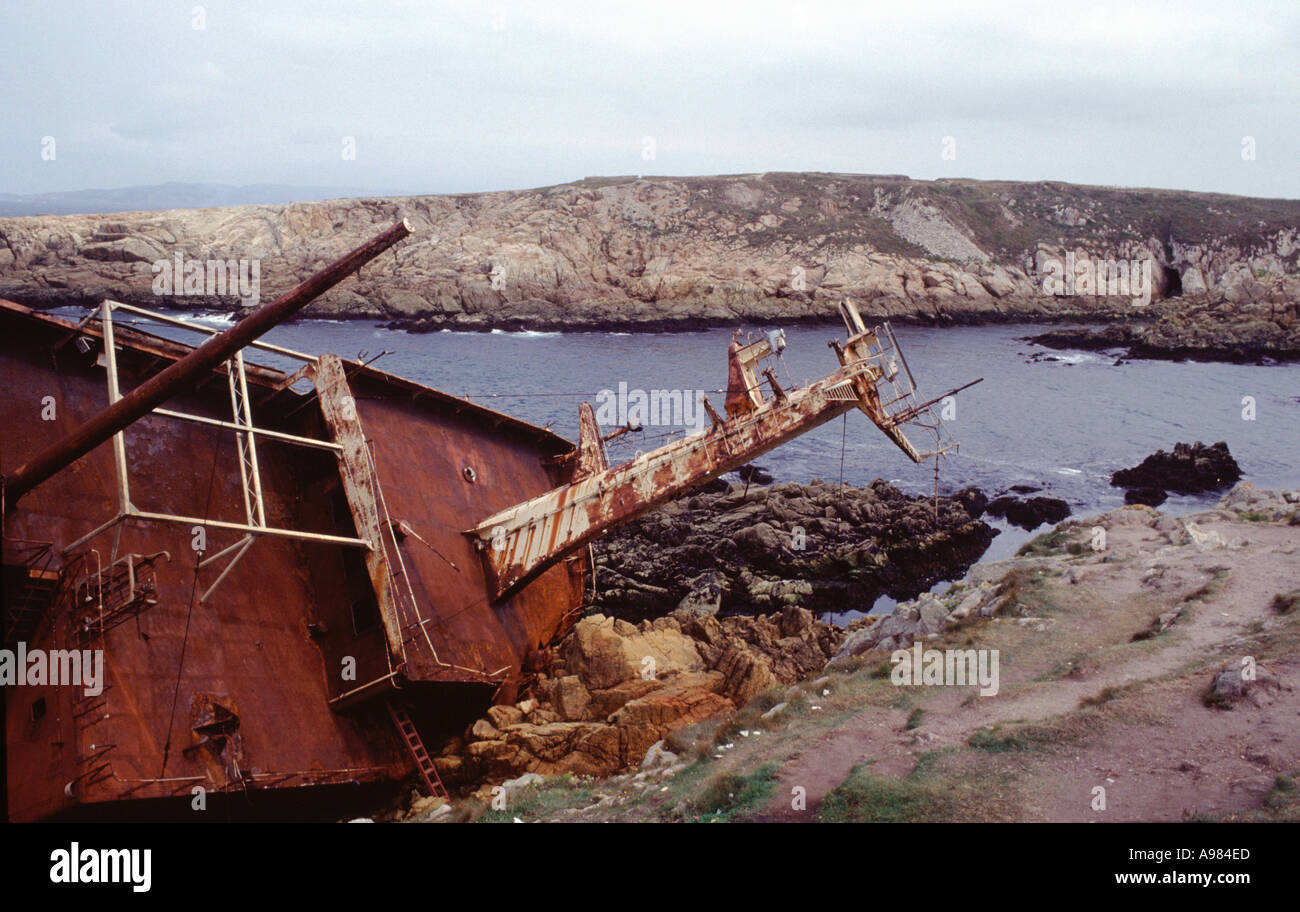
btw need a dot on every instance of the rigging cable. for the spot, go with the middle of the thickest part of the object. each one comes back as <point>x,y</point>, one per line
<point>189,611</point>
<point>844,430</point>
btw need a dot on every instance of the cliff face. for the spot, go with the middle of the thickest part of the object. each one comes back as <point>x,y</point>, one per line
<point>654,252</point>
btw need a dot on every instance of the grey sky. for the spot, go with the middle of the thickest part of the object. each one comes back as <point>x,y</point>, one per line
<point>446,97</point>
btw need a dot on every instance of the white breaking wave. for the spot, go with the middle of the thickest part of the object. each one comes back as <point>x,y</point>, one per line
<point>217,319</point>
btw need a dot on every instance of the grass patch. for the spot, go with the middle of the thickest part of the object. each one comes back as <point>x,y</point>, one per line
<point>937,790</point>
<point>542,800</point>
<point>732,797</point>
<point>994,741</point>
<point>914,719</point>
<point>1072,730</point>
<point>1107,694</point>
<point>868,798</point>
<point>1048,543</point>
<point>1282,803</point>
<point>1210,588</point>
<point>1285,602</point>
<point>1283,800</point>
<point>1022,591</point>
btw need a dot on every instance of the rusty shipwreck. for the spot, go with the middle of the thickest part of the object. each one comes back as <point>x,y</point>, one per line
<point>296,577</point>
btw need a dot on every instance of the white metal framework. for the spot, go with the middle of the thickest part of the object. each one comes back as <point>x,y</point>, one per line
<point>246,434</point>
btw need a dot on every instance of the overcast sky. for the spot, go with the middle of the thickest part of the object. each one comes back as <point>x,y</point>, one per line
<point>447,96</point>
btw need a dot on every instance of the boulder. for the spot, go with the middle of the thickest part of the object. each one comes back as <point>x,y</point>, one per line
<point>706,593</point>
<point>611,700</point>
<point>688,699</point>
<point>602,653</point>
<point>658,755</point>
<point>1234,684</point>
<point>1151,497</point>
<point>483,730</point>
<point>856,643</point>
<point>1247,500</point>
<point>746,673</point>
<point>570,698</point>
<point>505,716</point>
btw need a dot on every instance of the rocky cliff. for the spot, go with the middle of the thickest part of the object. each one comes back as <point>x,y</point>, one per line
<point>683,252</point>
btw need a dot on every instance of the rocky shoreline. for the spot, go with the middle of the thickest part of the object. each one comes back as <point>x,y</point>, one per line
<point>653,254</point>
<point>712,600</point>
<point>627,707</point>
<point>1196,330</point>
<point>707,602</point>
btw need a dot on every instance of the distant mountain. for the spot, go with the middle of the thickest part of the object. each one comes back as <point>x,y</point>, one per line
<point>173,195</point>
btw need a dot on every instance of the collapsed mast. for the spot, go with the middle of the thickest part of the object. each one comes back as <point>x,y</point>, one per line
<point>522,541</point>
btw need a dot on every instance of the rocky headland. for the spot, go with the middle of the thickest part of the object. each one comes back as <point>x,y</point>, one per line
<point>676,253</point>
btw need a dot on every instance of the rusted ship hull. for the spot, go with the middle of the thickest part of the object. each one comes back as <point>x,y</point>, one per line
<point>293,579</point>
<point>276,678</point>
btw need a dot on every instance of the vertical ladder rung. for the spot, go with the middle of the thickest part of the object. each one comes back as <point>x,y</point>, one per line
<point>423,762</point>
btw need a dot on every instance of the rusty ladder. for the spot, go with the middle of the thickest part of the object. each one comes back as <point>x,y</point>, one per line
<point>423,762</point>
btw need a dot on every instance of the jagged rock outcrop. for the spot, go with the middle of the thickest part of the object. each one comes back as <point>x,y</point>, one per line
<point>753,550</point>
<point>682,252</point>
<point>1265,324</point>
<point>1187,469</point>
<point>618,689</point>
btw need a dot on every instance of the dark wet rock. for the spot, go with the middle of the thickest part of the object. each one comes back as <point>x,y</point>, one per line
<point>1188,469</point>
<point>974,500</point>
<point>754,474</point>
<point>1031,512</point>
<point>706,593</point>
<point>716,486</point>
<point>819,546</point>
<point>1152,497</point>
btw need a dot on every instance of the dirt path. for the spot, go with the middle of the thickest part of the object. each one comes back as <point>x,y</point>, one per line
<point>1226,591</point>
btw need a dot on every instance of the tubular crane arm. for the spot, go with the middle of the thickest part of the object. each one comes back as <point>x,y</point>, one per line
<point>520,542</point>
